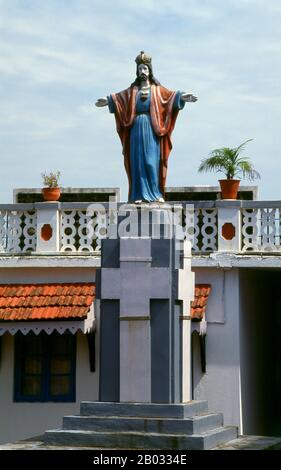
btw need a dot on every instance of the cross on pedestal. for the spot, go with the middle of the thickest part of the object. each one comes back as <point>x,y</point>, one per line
<point>142,291</point>
<point>134,284</point>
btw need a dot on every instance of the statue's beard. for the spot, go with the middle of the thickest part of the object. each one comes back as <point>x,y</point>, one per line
<point>143,77</point>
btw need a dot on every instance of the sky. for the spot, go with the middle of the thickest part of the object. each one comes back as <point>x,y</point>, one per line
<point>58,56</point>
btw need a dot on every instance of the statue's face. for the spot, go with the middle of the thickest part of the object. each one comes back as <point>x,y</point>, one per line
<point>143,71</point>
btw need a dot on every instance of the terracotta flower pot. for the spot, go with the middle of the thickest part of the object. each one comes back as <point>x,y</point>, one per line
<point>51,194</point>
<point>229,188</point>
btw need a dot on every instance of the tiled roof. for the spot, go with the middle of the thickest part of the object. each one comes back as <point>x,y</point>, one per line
<point>63,301</point>
<point>198,306</point>
<point>45,301</point>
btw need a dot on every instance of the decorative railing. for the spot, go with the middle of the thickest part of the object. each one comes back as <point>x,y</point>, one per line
<point>201,229</point>
<point>69,228</point>
<point>17,229</point>
<point>261,226</point>
<point>82,230</point>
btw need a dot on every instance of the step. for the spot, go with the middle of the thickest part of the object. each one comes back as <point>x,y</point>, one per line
<point>133,440</point>
<point>182,410</point>
<point>252,443</point>
<point>194,425</point>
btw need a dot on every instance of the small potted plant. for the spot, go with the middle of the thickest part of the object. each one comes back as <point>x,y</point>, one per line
<point>228,161</point>
<point>51,190</point>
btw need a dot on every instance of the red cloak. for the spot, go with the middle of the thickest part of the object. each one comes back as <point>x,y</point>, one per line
<point>163,119</point>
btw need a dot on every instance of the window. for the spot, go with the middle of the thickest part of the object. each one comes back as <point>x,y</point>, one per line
<point>45,367</point>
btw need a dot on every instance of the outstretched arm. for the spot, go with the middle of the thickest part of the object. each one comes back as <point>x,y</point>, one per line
<point>101,102</point>
<point>188,97</point>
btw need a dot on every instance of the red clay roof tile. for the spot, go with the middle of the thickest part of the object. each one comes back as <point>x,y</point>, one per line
<point>45,301</point>
<point>199,304</point>
<point>67,300</point>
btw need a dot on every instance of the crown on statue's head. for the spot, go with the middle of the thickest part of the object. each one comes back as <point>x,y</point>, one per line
<point>143,58</point>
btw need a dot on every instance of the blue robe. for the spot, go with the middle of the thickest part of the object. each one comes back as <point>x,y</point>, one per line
<point>145,151</point>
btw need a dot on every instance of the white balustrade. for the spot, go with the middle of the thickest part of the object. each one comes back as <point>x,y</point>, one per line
<point>229,226</point>
<point>17,230</point>
<point>211,226</point>
<point>201,228</point>
<point>29,231</point>
<point>48,222</point>
<point>68,230</point>
<point>2,230</point>
<point>261,228</point>
<point>209,230</point>
<point>82,230</point>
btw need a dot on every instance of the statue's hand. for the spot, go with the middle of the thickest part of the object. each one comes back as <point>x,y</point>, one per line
<point>101,102</point>
<point>188,97</point>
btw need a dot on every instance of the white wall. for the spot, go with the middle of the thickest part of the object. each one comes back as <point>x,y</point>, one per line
<point>22,420</point>
<point>220,385</point>
<point>48,275</point>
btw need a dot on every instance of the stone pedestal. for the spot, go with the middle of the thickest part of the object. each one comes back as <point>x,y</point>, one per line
<point>144,289</point>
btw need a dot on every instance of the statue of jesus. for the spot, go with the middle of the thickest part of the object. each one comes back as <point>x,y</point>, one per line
<point>145,115</point>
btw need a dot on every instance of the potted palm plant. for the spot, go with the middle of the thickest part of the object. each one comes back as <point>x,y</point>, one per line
<point>229,161</point>
<point>51,190</point>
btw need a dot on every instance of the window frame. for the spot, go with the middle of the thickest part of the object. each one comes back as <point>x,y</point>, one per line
<point>45,395</point>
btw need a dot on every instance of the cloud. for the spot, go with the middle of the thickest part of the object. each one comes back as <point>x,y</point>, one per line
<point>58,57</point>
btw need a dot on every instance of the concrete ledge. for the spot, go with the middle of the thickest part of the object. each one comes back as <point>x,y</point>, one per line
<point>134,440</point>
<point>50,260</point>
<point>148,410</point>
<point>252,443</point>
<point>226,260</point>
<point>195,425</point>
<point>241,443</point>
<point>85,260</point>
